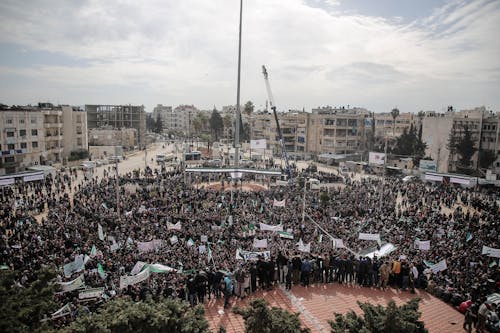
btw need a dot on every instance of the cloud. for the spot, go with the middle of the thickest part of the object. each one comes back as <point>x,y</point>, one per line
<point>174,52</point>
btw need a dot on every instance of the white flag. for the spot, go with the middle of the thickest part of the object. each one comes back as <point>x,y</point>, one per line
<point>137,267</point>
<point>260,243</point>
<point>190,242</point>
<point>258,144</point>
<point>302,247</point>
<point>100,233</point>
<point>173,239</point>
<point>277,203</point>
<point>202,249</point>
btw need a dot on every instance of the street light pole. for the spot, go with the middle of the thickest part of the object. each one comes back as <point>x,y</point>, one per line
<point>238,113</point>
<point>117,189</point>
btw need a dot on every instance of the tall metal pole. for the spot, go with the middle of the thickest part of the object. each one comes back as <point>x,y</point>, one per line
<point>304,201</point>
<point>117,190</point>
<point>238,114</point>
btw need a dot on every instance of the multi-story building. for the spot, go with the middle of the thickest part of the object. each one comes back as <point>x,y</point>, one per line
<point>182,118</point>
<point>164,113</point>
<point>293,126</point>
<point>125,137</point>
<point>439,128</point>
<point>118,117</point>
<point>337,130</point>
<point>42,134</point>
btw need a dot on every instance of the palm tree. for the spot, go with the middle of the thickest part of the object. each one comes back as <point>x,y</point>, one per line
<point>394,114</point>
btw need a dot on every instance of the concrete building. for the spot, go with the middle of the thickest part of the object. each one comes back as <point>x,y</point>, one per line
<point>125,137</point>
<point>164,113</point>
<point>118,117</point>
<point>42,134</point>
<point>437,128</point>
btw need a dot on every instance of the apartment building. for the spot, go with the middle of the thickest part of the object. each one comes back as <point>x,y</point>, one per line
<point>165,114</point>
<point>438,128</point>
<point>42,134</point>
<point>118,117</point>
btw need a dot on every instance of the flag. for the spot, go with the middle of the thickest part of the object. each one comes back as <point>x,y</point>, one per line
<point>190,242</point>
<point>93,251</point>
<point>101,272</point>
<point>3,267</point>
<point>258,144</point>
<point>159,268</point>
<point>173,239</point>
<point>302,247</point>
<point>138,267</point>
<point>440,266</point>
<point>75,284</point>
<point>492,264</point>
<point>204,238</point>
<point>492,252</point>
<point>176,226</point>
<point>268,227</point>
<point>210,257</point>
<point>100,232</point>
<point>423,245</point>
<point>202,249</point>
<point>284,234</point>
<point>320,238</point>
<point>64,311</point>
<point>338,243</point>
<point>277,203</point>
<point>469,236</point>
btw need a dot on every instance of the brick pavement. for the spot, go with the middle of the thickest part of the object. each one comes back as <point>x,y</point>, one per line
<point>321,301</point>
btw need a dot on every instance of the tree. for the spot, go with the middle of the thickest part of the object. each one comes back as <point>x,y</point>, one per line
<point>124,315</point>
<point>248,108</point>
<point>394,114</point>
<point>158,127</point>
<point>486,158</point>
<point>150,122</point>
<point>465,148</point>
<point>380,319</point>
<point>23,307</point>
<point>216,124</point>
<point>259,318</point>
<point>410,144</point>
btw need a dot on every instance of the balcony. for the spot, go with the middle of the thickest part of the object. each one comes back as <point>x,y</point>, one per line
<point>52,125</point>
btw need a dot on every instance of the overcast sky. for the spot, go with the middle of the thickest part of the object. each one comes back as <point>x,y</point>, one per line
<point>416,55</point>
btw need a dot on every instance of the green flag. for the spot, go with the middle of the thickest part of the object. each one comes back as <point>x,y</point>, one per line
<point>3,267</point>
<point>284,234</point>
<point>469,237</point>
<point>93,251</point>
<point>101,271</point>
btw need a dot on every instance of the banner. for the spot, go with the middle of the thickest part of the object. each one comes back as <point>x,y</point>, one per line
<point>126,280</point>
<point>251,255</point>
<point>423,245</point>
<point>91,293</point>
<point>376,158</point>
<point>260,243</point>
<point>202,249</point>
<point>64,311</point>
<point>190,242</point>
<point>274,228</point>
<point>491,251</point>
<point>137,267</point>
<point>284,234</point>
<point>375,237</point>
<point>277,203</point>
<point>159,268</point>
<point>440,266</point>
<point>149,246</point>
<point>302,247</point>
<point>77,283</point>
<point>338,243</point>
<point>236,175</point>
<point>176,226</point>
<point>100,232</point>
<point>258,144</point>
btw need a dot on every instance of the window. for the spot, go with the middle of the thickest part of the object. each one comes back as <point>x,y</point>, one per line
<point>10,134</point>
<point>79,141</point>
<point>34,132</point>
<point>22,132</point>
<point>34,120</point>
<point>21,121</point>
<point>10,159</point>
<point>9,121</point>
<point>23,145</point>
<point>79,119</point>
<point>34,144</point>
<point>11,146</point>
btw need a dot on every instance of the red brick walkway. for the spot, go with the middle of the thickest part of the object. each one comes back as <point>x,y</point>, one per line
<point>321,301</point>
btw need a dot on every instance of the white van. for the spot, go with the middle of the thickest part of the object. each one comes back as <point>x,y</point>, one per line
<point>314,184</point>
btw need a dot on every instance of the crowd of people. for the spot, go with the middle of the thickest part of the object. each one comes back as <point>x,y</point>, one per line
<point>206,238</point>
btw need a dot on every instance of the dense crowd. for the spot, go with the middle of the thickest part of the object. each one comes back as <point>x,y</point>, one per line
<point>215,225</point>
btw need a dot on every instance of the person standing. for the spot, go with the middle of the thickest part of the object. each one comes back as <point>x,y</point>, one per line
<point>228,290</point>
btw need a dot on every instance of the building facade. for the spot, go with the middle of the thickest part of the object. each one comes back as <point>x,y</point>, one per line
<point>164,113</point>
<point>39,135</point>
<point>118,117</point>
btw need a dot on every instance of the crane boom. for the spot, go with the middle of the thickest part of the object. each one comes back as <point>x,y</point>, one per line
<point>273,107</point>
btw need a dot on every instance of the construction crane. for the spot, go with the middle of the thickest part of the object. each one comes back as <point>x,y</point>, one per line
<point>273,107</point>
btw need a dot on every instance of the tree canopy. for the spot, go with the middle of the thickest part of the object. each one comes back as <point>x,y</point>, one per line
<point>380,319</point>
<point>465,148</point>
<point>23,306</point>
<point>260,318</point>
<point>123,315</point>
<point>410,144</point>
<point>216,124</point>
<point>248,108</point>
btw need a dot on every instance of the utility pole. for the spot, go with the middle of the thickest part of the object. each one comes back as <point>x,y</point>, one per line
<point>117,189</point>
<point>304,201</point>
<point>238,113</point>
